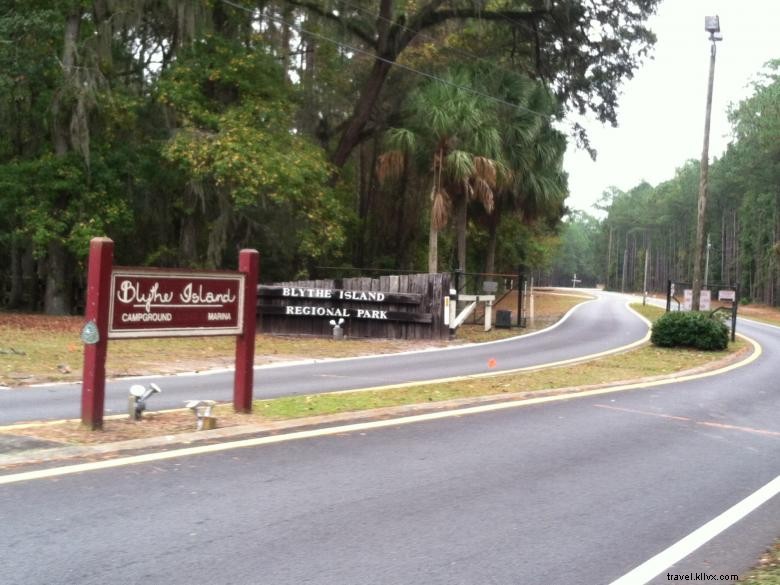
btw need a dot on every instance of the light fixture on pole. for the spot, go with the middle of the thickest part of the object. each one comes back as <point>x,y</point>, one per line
<point>712,26</point>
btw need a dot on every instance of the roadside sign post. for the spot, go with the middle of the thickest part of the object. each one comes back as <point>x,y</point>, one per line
<point>141,302</point>
<point>249,266</point>
<point>95,332</point>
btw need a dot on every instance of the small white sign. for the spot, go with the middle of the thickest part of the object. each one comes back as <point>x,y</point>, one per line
<point>705,300</point>
<point>727,295</point>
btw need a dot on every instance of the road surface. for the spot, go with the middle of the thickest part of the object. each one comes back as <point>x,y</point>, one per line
<point>591,328</point>
<point>580,491</point>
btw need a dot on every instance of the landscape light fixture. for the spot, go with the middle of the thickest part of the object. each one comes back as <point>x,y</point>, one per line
<point>712,26</point>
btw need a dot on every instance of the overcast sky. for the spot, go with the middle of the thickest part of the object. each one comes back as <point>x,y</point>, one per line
<point>661,110</point>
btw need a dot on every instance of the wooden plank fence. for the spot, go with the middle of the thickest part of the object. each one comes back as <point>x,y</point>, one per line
<point>394,307</point>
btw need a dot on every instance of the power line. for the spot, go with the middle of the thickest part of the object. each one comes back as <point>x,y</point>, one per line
<point>391,62</point>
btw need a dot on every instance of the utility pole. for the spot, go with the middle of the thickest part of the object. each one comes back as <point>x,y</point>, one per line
<point>644,284</point>
<point>707,263</point>
<point>712,26</point>
<point>609,259</point>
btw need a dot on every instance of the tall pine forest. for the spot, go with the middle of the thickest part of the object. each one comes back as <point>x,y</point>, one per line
<point>742,218</point>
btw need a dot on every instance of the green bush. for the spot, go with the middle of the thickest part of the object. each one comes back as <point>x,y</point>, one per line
<point>690,329</point>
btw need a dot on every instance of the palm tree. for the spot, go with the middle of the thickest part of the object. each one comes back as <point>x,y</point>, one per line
<point>451,134</point>
<point>534,184</point>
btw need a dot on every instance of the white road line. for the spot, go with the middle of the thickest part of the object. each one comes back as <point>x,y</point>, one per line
<point>651,568</point>
<point>287,364</point>
<point>350,428</point>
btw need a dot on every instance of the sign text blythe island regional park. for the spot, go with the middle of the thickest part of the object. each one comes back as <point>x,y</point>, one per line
<point>145,303</point>
<point>334,294</point>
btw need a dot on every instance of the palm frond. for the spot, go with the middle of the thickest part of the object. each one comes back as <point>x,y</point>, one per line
<point>485,169</point>
<point>390,165</point>
<point>483,193</point>
<point>459,165</point>
<point>401,139</point>
<point>441,208</point>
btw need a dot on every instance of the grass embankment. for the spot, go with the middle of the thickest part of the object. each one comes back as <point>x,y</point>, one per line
<point>643,362</point>
<point>38,348</point>
<point>767,572</point>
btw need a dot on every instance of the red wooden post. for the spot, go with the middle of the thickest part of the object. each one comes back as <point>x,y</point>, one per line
<point>93,385</point>
<point>249,265</point>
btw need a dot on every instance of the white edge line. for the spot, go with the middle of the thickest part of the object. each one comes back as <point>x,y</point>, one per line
<point>645,572</point>
<point>344,429</point>
<point>328,360</point>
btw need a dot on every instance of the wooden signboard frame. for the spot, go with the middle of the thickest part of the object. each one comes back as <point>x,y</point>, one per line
<point>143,302</point>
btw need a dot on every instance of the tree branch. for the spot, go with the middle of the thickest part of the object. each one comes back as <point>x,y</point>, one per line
<point>351,25</point>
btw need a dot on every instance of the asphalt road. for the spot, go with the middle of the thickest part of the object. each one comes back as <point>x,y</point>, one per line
<point>592,327</point>
<point>572,492</point>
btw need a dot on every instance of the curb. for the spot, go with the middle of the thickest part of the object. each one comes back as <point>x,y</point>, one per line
<point>455,406</point>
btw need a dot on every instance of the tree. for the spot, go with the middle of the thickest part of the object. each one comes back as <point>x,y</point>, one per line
<point>582,48</point>
<point>236,147</point>
<point>532,152</point>
<point>451,134</point>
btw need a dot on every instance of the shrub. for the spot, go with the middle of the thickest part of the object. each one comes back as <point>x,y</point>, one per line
<point>690,329</point>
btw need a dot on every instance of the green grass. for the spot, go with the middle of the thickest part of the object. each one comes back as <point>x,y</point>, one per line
<point>645,361</point>
<point>38,348</point>
<point>649,312</point>
<point>767,572</point>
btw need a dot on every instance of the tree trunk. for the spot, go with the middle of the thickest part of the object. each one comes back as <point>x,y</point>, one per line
<point>31,291</point>
<point>362,113</point>
<point>401,241</point>
<point>433,249</point>
<point>490,259</point>
<point>15,296</point>
<point>461,225</point>
<point>56,299</point>
<point>61,112</point>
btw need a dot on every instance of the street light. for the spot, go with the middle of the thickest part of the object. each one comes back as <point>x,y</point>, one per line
<point>712,26</point>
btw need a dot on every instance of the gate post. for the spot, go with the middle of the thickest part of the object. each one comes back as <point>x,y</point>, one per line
<point>95,332</point>
<point>520,287</point>
<point>249,265</point>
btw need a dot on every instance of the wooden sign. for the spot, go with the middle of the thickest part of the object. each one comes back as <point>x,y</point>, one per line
<point>149,302</point>
<point>158,302</point>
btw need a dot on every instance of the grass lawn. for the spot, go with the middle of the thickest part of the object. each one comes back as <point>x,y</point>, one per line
<point>644,362</point>
<point>767,571</point>
<point>39,348</point>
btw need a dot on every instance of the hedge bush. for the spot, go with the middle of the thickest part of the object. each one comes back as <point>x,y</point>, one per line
<point>690,329</point>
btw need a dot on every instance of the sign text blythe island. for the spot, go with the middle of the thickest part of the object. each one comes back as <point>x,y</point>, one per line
<point>157,302</point>
<point>333,294</point>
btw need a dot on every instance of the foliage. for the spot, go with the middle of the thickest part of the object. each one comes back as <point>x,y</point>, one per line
<point>236,138</point>
<point>743,215</point>
<point>36,188</point>
<point>186,130</point>
<point>690,329</point>
<point>577,253</point>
